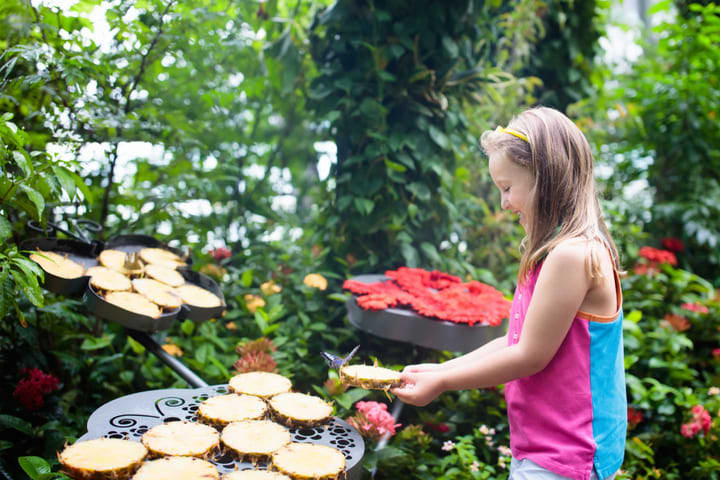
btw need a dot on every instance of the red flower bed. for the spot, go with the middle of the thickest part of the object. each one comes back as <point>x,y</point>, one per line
<point>433,294</point>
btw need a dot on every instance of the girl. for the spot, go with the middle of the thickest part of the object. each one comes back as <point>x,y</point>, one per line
<point>562,359</point>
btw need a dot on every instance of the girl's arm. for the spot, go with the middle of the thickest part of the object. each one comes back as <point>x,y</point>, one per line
<point>559,292</point>
<point>479,352</point>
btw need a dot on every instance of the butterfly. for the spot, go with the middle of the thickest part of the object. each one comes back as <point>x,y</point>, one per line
<point>336,362</point>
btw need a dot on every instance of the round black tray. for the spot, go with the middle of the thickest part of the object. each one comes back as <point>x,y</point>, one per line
<point>131,416</point>
<point>83,253</point>
<point>407,326</point>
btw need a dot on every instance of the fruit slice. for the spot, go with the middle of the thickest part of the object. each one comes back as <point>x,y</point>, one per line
<point>102,458</point>
<point>181,438</point>
<point>134,302</point>
<point>177,468</point>
<point>160,256</point>
<point>299,409</point>
<point>304,461</point>
<point>58,265</point>
<point>157,292</point>
<point>165,275</point>
<point>114,260</point>
<point>255,440</point>
<point>369,377</point>
<point>102,278</point>
<point>198,296</point>
<point>261,384</point>
<point>223,409</point>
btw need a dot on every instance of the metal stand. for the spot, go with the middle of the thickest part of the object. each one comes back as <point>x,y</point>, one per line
<point>175,365</point>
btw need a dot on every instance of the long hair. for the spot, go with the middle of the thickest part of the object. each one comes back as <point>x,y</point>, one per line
<point>563,198</point>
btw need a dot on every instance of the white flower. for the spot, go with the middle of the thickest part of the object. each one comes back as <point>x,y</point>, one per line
<point>505,451</point>
<point>475,466</point>
<point>714,391</point>
<point>484,429</point>
<point>448,445</point>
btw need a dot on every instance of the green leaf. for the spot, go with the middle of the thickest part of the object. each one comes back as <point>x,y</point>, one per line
<point>5,229</point>
<point>96,343</point>
<point>246,278</point>
<point>8,421</point>
<point>35,467</point>
<point>347,399</point>
<point>36,198</point>
<point>187,327</point>
<point>22,161</point>
<point>395,166</point>
<point>439,137</point>
<point>363,205</point>
<point>136,346</point>
<point>430,251</point>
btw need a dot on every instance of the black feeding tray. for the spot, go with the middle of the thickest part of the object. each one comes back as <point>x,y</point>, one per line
<point>85,252</point>
<point>405,325</point>
<point>80,252</point>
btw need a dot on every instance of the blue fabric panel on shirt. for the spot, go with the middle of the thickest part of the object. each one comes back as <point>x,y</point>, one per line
<point>609,402</point>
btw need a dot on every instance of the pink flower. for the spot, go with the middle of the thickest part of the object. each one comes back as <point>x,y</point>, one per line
<point>695,307</point>
<point>701,421</point>
<point>716,352</point>
<point>448,445</point>
<point>221,253</point>
<point>373,420</point>
<point>30,391</point>
<point>475,466</point>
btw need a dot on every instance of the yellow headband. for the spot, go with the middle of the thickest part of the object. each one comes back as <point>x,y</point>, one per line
<point>512,132</point>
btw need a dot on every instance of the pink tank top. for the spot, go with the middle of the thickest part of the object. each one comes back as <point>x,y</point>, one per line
<point>571,417</point>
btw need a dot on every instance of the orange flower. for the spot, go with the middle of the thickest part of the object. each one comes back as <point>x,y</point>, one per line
<point>231,326</point>
<point>270,288</point>
<point>253,302</point>
<point>678,322</point>
<point>173,349</point>
<point>315,280</point>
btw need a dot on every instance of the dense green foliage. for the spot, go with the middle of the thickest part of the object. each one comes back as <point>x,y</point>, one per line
<point>660,131</point>
<point>202,123</point>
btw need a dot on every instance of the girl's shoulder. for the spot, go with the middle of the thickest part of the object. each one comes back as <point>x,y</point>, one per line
<point>570,251</point>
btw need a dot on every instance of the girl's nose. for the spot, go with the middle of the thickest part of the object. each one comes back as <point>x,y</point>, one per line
<point>504,203</point>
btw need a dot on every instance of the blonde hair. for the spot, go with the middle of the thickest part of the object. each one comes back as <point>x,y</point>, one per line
<point>564,199</point>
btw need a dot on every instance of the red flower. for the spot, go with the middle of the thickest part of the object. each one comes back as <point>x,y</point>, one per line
<point>433,294</point>
<point>658,256</point>
<point>634,417</point>
<point>673,244</point>
<point>30,391</point>
<point>438,427</point>
<point>695,307</point>
<point>716,353</point>
<point>221,253</point>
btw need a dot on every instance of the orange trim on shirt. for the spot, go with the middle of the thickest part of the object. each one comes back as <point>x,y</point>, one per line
<point>591,317</point>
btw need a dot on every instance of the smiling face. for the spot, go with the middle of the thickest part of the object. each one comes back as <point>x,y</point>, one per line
<point>516,185</point>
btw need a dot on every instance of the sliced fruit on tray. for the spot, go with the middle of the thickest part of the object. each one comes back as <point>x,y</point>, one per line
<point>102,458</point>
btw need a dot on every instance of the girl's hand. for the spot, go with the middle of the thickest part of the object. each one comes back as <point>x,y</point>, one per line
<point>419,389</point>
<point>422,367</point>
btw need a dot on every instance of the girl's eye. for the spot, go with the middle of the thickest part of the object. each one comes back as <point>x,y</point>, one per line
<point>506,189</point>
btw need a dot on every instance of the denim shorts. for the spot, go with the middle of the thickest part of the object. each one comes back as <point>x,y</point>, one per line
<point>528,470</point>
